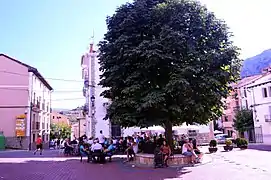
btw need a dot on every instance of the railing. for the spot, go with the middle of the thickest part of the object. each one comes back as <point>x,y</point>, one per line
<point>36,106</point>
<point>267,118</point>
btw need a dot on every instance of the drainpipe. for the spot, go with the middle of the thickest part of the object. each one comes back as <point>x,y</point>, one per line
<point>30,117</point>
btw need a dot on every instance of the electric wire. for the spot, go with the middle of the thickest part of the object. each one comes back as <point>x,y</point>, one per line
<point>56,79</point>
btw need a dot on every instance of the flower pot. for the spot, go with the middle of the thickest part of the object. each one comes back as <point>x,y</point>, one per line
<point>212,149</point>
<point>226,148</point>
<point>243,147</point>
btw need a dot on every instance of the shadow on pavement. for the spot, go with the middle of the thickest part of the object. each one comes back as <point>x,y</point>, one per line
<point>260,147</point>
<point>48,168</point>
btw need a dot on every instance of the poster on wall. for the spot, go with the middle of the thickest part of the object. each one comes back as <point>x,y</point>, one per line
<point>20,126</point>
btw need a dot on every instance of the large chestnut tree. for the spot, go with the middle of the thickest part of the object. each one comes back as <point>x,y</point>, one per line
<point>166,62</point>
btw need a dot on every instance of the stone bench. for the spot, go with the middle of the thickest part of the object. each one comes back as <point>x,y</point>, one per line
<point>173,161</point>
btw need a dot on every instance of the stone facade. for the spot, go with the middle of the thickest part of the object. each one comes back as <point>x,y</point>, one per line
<point>148,160</point>
<point>17,143</point>
<point>203,138</point>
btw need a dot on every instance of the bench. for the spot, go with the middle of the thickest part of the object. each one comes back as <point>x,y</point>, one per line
<point>173,161</point>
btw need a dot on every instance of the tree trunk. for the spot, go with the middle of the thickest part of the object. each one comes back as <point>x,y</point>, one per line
<point>242,134</point>
<point>168,133</point>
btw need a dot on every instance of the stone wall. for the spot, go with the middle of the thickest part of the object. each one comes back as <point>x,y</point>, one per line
<point>17,143</point>
<point>203,138</point>
<point>148,160</point>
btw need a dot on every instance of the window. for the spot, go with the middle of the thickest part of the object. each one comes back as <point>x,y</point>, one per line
<point>37,125</point>
<point>34,138</point>
<point>246,104</point>
<point>269,89</point>
<point>245,93</point>
<point>226,119</point>
<point>264,91</point>
<point>34,97</point>
<point>53,117</point>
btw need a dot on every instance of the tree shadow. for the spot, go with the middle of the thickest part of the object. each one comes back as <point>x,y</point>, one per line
<point>47,168</point>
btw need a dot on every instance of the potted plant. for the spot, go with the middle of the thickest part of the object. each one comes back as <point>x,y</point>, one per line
<point>238,142</point>
<point>228,146</point>
<point>213,148</point>
<point>243,144</point>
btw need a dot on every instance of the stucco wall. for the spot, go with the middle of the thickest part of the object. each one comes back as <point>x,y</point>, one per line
<point>14,95</point>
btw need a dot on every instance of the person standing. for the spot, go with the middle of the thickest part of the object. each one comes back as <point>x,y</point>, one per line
<point>38,145</point>
<point>101,138</point>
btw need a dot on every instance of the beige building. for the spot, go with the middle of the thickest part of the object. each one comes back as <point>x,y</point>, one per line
<point>57,118</point>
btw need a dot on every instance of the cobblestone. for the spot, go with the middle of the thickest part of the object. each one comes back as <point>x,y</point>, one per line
<point>235,165</point>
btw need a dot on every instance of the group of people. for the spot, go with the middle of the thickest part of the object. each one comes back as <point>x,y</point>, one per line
<point>96,149</point>
<point>100,147</point>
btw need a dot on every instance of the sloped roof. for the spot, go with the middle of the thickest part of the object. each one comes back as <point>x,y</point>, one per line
<point>248,80</point>
<point>31,69</point>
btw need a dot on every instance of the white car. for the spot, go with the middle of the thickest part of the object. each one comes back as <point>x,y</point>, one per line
<point>221,138</point>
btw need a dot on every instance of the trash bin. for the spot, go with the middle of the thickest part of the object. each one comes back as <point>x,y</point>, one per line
<point>2,141</point>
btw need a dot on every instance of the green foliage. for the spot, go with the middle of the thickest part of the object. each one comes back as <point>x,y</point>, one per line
<point>241,142</point>
<point>244,142</point>
<point>228,142</point>
<point>213,143</point>
<point>238,142</point>
<point>243,120</point>
<point>60,131</point>
<point>166,62</point>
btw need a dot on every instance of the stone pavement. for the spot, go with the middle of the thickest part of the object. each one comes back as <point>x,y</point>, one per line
<point>26,166</point>
<point>235,165</point>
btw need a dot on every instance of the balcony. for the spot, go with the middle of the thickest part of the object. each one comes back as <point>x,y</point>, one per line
<point>36,106</point>
<point>267,118</point>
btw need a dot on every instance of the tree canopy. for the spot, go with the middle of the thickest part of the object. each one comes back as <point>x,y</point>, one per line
<point>166,62</point>
<point>60,130</point>
<point>243,120</point>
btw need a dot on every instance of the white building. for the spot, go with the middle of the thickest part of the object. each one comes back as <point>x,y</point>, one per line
<point>259,93</point>
<point>41,107</point>
<point>95,108</point>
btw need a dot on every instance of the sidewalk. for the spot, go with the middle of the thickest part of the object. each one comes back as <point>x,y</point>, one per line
<point>235,165</point>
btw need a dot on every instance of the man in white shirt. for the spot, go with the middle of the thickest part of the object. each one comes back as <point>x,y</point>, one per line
<point>101,138</point>
<point>97,153</point>
<point>96,146</point>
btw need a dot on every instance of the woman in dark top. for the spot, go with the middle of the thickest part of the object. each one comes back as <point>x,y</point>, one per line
<point>195,148</point>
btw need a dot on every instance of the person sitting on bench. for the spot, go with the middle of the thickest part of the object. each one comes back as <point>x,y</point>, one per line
<point>97,151</point>
<point>84,152</point>
<point>109,151</point>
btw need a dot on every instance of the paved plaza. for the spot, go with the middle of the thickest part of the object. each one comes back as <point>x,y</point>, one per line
<point>235,165</point>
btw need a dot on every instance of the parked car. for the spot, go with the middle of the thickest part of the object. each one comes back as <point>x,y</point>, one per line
<point>221,138</point>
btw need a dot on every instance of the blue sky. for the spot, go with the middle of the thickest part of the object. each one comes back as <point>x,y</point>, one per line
<point>52,35</point>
